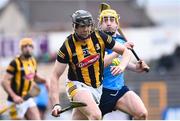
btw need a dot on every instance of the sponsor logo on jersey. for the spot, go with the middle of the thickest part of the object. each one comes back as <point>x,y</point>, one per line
<point>88,61</point>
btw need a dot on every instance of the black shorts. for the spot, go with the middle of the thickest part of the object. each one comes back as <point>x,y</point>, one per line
<point>109,99</point>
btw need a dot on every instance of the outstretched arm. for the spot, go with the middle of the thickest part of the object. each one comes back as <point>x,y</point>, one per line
<point>57,71</point>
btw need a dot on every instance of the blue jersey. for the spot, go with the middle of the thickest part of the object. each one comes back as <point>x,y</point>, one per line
<point>110,81</point>
<point>42,98</point>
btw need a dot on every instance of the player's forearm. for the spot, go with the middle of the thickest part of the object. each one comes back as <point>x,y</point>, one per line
<point>138,67</point>
<point>132,67</point>
<point>54,91</point>
<point>39,79</point>
<point>7,87</point>
<point>126,56</point>
<point>54,82</point>
<point>108,58</point>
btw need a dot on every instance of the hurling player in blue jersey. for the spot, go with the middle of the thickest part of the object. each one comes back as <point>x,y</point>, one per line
<point>116,95</point>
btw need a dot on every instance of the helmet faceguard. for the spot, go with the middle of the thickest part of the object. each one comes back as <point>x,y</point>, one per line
<point>82,18</point>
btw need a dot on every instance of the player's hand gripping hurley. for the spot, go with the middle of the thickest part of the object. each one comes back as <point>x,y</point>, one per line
<point>73,104</point>
<point>34,91</point>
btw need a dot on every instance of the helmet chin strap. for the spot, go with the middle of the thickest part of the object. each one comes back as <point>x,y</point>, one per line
<point>111,33</point>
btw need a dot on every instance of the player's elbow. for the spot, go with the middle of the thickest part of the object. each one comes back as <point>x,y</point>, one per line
<point>127,53</point>
<point>53,81</point>
<point>5,84</point>
<point>141,115</point>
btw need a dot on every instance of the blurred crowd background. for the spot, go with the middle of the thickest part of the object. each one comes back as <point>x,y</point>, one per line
<point>153,26</point>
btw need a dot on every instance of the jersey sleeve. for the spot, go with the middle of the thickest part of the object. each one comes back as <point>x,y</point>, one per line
<point>62,54</point>
<point>109,42</point>
<point>11,69</point>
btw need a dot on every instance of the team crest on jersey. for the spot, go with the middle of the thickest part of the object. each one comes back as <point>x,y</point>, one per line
<point>85,51</point>
<point>97,47</point>
<point>88,61</point>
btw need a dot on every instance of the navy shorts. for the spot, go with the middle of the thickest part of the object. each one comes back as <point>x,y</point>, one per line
<point>109,99</point>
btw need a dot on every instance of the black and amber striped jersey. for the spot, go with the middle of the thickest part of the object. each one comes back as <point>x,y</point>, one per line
<point>85,58</point>
<point>23,71</point>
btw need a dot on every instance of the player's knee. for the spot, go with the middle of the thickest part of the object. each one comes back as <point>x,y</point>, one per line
<point>96,115</point>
